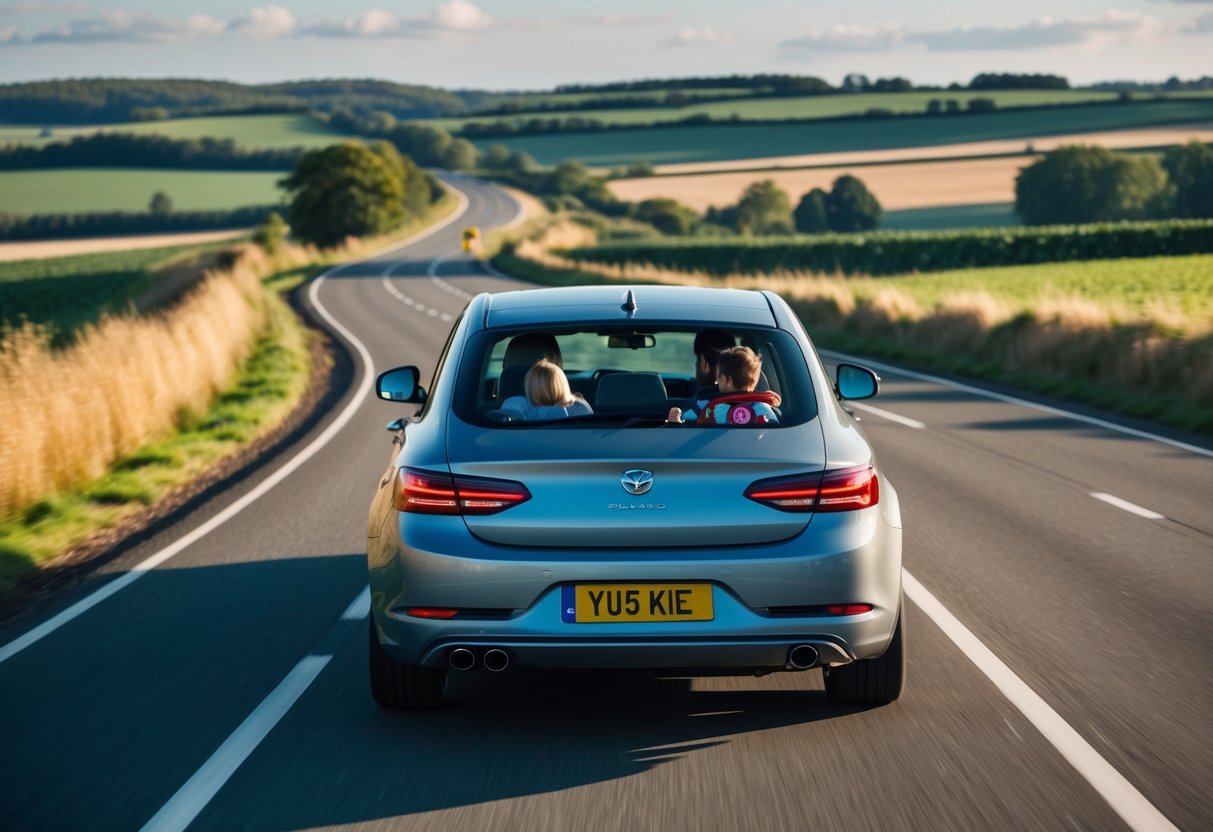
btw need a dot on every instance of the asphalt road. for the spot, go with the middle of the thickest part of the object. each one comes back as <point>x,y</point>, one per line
<point>226,687</point>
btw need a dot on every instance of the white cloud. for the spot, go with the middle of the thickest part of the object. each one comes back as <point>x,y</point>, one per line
<point>706,35</point>
<point>839,38</point>
<point>1110,27</point>
<point>459,16</point>
<point>264,23</point>
<point>372,24</point>
<point>124,26</point>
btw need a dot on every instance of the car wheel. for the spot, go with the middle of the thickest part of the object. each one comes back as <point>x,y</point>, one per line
<point>870,681</point>
<point>403,687</point>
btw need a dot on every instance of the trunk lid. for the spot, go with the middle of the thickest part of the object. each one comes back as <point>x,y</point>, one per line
<point>576,478</point>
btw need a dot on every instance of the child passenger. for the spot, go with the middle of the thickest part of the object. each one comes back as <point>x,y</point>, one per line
<point>737,371</point>
<point>548,395</point>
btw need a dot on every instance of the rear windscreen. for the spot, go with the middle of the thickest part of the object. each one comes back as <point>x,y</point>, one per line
<point>631,376</point>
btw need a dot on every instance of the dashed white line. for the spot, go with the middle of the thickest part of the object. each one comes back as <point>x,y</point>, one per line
<point>192,798</point>
<point>885,414</point>
<point>1111,785</point>
<point>1132,508</point>
<point>360,607</point>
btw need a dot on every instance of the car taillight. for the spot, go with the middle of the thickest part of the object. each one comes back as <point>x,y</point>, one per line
<point>845,490</point>
<point>427,492</point>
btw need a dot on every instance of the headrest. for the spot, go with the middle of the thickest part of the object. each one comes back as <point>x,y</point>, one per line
<point>639,393</point>
<point>524,350</point>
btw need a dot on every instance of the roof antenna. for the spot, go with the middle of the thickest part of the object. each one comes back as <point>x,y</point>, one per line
<point>629,303</point>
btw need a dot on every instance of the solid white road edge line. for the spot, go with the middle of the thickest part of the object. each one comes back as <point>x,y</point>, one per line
<point>1043,408</point>
<point>360,607</point>
<point>1132,508</point>
<point>1111,785</point>
<point>143,567</point>
<point>885,414</point>
<point>197,792</point>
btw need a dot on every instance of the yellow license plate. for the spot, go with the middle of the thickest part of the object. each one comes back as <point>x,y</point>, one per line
<point>618,603</point>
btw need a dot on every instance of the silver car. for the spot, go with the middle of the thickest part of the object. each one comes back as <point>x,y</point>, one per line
<point>617,539</point>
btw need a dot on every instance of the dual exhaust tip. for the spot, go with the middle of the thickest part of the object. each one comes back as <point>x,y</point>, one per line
<point>803,656</point>
<point>495,659</point>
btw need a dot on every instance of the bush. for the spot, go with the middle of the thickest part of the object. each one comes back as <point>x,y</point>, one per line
<point>272,233</point>
<point>1079,184</point>
<point>982,105</point>
<point>669,216</point>
<point>764,209</point>
<point>850,206</point>
<point>810,215</point>
<point>62,226</point>
<point>885,252</point>
<point>1190,168</point>
<point>160,204</point>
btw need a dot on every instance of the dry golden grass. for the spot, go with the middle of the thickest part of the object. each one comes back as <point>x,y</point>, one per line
<point>70,413</point>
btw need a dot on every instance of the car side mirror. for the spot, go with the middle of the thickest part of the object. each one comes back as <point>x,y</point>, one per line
<point>854,382</point>
<point>400,385</point>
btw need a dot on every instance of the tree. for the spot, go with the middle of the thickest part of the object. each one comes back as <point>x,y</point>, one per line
<point>952,105</point>
<point>934,107</point>
<point>811,216</point>
<point>160,205</point>
<point>345,190</point>
<point>855,82</point>
<point>1190,168</point>
<point>460,154</point>
<point>668,216</point>
<point>497,157</point>
<point>851,206</point>
<point>1075,184</point>
<point>982,105</point>
<point>764,209</point>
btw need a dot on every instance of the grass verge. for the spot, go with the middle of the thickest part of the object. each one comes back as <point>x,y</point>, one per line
<point>262,394</point>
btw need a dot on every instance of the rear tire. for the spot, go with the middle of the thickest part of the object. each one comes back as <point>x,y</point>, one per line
<point>403,687</point>
<point>870,681</point>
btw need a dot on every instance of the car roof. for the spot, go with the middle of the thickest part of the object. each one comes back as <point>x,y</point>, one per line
<point>605,304</point>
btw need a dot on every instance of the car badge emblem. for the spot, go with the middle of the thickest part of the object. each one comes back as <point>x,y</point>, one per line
<point>636,481</point>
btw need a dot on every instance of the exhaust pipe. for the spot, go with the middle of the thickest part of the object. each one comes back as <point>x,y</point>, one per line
<point>496,660</point>
<point>462,658</point>
<point>803,656</point>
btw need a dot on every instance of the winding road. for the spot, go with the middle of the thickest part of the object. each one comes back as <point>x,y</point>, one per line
<point>213,676</point>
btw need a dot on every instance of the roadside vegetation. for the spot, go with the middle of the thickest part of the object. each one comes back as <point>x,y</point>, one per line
<point>1130,335</point>
<point>107,414</point>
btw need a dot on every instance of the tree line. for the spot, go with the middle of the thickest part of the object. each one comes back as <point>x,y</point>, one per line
<point>1085,184</point>
<point>129,150</point>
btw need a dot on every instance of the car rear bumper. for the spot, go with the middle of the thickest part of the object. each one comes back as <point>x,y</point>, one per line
<point>845,558</point>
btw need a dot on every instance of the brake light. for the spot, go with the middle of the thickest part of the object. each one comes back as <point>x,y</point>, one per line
<point>431,612</point>
<point>427,492</point>
<point>845,490</point>
<point>848,609</point>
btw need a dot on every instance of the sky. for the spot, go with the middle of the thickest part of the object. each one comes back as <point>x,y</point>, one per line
<point>538,44</point>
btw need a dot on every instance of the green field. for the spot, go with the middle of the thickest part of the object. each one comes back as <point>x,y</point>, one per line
<point>81,190</point>
<point>712,143</point>
<point>1141,286</point>
<point>270,131</point>
<point>71,291</point>
<point>814,106</point>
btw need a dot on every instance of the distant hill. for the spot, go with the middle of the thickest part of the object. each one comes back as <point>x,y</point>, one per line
<point>111,100</point>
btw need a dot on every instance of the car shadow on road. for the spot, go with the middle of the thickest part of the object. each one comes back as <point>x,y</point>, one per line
<point>339,759</point>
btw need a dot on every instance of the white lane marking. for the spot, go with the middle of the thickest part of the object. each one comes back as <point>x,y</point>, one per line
<point>884,414</point>
<point>192,798</point>
<point>143,567</point>
<point>1112,786</point>
<point>1043,408</point>
<point>360,607</point>
<point>1132,508</point>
